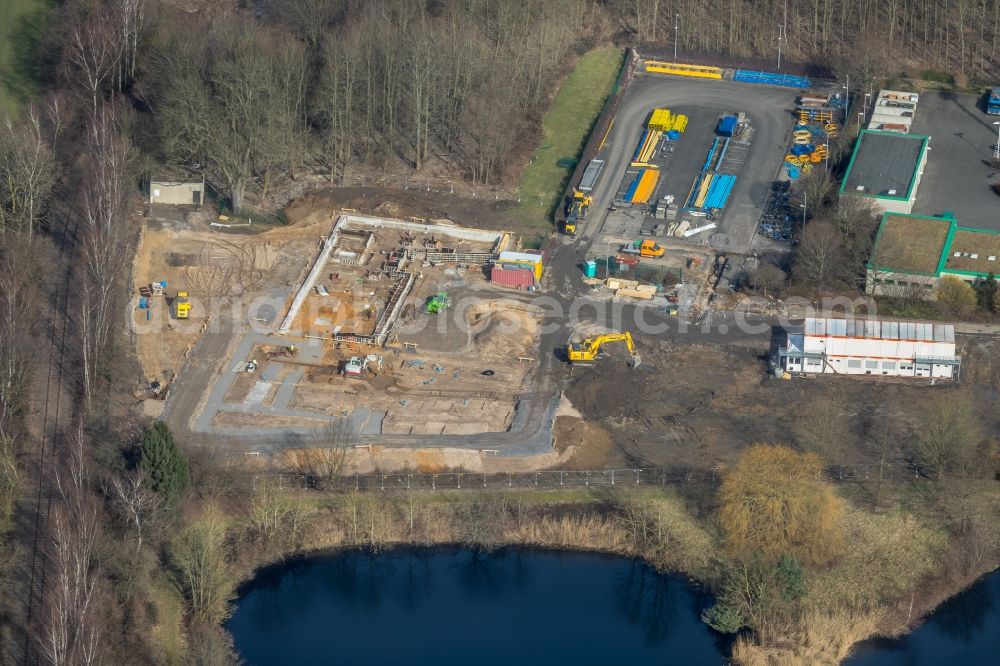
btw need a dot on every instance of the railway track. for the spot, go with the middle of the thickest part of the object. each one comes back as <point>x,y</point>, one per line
<point>54,414</point>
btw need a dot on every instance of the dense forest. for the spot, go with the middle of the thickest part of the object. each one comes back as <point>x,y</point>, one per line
<point>260,93</point>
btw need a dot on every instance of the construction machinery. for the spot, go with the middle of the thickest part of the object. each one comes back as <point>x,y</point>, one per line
<point>647,248</point>
<point>182,305</point>
<point>587,350</point>
<point>576,210</point>
<point>357,366</point>
<point>438,302</point>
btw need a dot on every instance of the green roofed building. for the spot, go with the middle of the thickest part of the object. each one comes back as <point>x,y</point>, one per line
<point>913,252</point>
<point>886,168</point>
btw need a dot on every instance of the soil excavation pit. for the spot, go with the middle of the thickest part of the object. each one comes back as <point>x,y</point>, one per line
<point>458,369</point>
<point>471,382</point>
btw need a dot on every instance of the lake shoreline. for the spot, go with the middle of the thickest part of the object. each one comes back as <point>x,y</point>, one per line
<point>582,525</point>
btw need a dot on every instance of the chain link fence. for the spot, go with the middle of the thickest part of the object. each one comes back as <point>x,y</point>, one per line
<point>575,479</point>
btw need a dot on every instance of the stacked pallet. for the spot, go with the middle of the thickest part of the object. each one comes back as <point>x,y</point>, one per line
<point>661,120</point>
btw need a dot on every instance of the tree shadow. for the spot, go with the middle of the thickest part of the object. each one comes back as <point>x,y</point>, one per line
<point>28,63</point>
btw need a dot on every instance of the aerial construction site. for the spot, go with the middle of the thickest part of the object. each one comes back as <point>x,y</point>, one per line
<point>389,326</point>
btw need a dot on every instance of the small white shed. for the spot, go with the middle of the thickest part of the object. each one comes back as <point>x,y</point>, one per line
<point>186,192</point>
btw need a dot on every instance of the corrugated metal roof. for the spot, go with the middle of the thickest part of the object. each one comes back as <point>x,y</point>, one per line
<point>879,330</point>
<point>516,278</point>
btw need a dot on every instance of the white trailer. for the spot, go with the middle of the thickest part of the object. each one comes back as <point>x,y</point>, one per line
<point>871,347</point>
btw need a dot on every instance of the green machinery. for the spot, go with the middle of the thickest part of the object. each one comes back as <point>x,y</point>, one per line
<point>438,302</point>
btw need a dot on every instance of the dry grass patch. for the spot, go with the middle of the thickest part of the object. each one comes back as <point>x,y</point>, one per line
<point>821,639</point>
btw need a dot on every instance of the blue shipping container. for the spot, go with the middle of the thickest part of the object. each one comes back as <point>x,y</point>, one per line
<point>727,125</point>
<point>771,79</point>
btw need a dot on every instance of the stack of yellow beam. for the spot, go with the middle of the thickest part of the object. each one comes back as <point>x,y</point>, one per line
<point>660,120</point>
<point>679,122</point>
<point>647,184</point>
<point>706,182</point>
<point>649,147</point>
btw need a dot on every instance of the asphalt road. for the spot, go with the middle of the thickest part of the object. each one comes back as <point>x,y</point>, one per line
<point>768,109</point>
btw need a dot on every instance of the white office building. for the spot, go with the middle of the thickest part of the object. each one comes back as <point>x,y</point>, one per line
<point>871,347</point>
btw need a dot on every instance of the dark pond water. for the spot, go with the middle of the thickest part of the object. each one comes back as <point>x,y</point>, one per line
<point>964,630</point>
<point>454,606</point>
<point>512,607</point>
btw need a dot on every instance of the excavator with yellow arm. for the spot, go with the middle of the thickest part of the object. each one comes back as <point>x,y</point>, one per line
<point>587,350</point>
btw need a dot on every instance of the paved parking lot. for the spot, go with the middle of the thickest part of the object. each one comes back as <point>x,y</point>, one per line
<point>958,173</point>
<point>703,101</point>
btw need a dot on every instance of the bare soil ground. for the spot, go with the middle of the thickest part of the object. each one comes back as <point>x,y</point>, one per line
<point>399,203</point>
<point>694,404</point>
<point>215,268</point>
<point>438,386</point>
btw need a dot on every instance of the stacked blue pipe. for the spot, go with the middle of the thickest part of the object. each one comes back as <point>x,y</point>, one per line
<point>630,192</point>
<point>695,189</point>
<point>711,153</point>
<point>718,193</point>
<point>638,149</point>
<point>725,147</point>
<point>771,79</point>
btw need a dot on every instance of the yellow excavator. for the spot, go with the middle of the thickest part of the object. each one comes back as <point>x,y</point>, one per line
<point>587,350</point>
<point>576,210</point>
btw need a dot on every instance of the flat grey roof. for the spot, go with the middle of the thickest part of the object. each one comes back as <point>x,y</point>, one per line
<point>883,162</point>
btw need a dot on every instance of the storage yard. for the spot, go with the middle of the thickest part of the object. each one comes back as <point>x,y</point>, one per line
<point>690,158</point>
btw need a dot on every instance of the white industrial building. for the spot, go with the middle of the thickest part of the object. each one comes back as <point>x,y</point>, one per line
<point>871,347</point>
<point>893,111</point>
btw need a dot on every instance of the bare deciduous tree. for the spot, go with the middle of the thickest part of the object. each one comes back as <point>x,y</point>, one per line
<point>72,628</point>
<point>136,503</point>
<point>20,275</point>
<point>92,49</point>
<point>26,172</point>
<point>105,240</point>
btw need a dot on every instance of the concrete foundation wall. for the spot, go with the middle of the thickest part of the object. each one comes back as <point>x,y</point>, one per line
<point>478,235</point>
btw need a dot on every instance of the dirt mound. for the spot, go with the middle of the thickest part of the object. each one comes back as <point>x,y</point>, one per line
<point>502,328</point>
<point>388,209</point>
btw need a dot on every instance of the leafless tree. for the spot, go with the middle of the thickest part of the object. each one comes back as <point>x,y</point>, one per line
<point>20,275</point>
<point>131,22</point>
<point>818,260</point>
<point>950,437</point>
<point>823,427</point>
<point>136,503</point>
<point>72,627</point>
<point>767,278</point>
<point>92,48</point>
<point>26,172</point>
<point>105,239</point>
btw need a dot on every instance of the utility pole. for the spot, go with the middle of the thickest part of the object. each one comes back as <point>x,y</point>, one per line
<point>677,18</point>
<point>782,29</point>
<point>781,33</point>
<point>805,211</point>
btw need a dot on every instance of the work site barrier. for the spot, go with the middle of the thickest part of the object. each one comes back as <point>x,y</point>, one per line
<point>604,478</point>
<point>771,79</point>
<point>680,69</point>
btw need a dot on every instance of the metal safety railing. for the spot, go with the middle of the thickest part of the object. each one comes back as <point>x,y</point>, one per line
<point>555,479</point>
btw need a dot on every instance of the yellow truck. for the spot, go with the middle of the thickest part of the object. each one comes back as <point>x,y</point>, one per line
<point>647,248</point>
<point>182,305</point>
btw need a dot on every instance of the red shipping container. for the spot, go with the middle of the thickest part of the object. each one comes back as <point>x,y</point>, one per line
<point>516,278</point>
